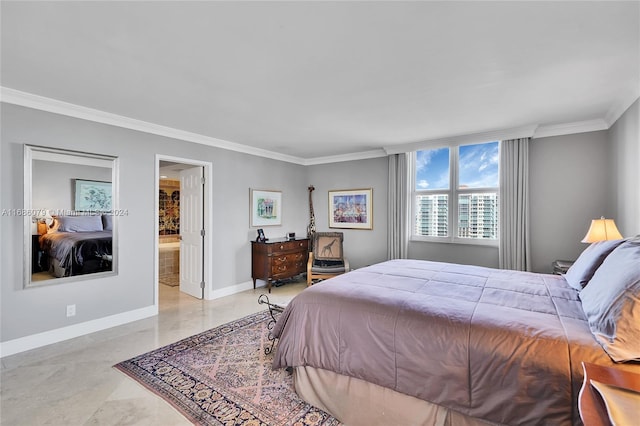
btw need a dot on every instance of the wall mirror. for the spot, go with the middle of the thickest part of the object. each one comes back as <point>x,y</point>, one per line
<point>71,215</point>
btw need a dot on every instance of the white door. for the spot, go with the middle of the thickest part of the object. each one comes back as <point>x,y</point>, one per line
<point>191,231</point>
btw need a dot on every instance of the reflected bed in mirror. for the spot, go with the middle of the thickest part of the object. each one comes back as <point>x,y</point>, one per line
<point>71,227</point>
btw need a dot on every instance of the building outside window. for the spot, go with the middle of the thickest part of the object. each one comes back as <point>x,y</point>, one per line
<point>455,193</point>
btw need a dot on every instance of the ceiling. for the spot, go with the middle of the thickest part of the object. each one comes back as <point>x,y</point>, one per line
<point>311,80</point>
<point>171,170</point>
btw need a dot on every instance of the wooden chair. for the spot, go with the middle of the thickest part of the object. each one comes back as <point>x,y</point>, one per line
<point>326,258</point>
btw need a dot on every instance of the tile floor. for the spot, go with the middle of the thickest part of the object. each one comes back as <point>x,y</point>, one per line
<point>73,382</point>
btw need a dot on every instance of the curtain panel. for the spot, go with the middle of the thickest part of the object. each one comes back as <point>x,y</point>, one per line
<point>514,251</point>
<point>398,207</point>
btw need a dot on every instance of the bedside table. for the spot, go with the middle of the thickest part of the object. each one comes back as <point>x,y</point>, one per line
<point>561,266</point>
<point>590,404</point>
<point>39,261</point>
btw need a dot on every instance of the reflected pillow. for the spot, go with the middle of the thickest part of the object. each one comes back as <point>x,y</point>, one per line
<point>79,223</point>
<point>589,260</point>
<point>611,302</point>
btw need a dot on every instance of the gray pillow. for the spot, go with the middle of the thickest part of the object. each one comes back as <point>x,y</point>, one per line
<point>611,302</point>
<point>79,223</point>
<point>579,274</point>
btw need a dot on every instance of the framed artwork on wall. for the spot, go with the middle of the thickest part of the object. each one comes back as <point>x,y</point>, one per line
<point>266,207</point>
<point>92,195</point>
<point>351,209</point>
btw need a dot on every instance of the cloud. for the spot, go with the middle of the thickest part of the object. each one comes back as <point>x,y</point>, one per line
<point>479,165</point>
<point>422,184</point>
<point>423,158</point>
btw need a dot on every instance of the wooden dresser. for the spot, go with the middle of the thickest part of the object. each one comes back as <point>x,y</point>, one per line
<point>277,259</point>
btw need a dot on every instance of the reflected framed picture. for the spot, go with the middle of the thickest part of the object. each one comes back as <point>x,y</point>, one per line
<point>92,195</point>
<point>351,209</point>
<point>266,207</point>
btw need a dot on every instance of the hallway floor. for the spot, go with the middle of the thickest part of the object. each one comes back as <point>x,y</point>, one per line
<point>73,382</point>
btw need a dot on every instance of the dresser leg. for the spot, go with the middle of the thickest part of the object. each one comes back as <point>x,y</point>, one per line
<point>254,283</point>
<point>269,285</point>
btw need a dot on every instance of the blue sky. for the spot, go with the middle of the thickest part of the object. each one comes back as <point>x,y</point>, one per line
<point>478,167</point>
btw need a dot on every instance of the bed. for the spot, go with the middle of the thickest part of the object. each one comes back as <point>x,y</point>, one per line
<point>419,342</point>
<point>78,245</point>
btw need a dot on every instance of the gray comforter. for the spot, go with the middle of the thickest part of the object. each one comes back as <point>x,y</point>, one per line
<point>70,247</point>
<point>498,345</point>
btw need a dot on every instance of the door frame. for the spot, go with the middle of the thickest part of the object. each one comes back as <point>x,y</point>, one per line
<point>207,204</point>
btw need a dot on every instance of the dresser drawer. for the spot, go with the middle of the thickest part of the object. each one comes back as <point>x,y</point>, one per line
<point>282,270</point>
<point>288,269</point>
<point>284,258</point>
<point>286,246</point>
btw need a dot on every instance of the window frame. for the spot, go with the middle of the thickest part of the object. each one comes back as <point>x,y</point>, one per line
<point>453,194</point>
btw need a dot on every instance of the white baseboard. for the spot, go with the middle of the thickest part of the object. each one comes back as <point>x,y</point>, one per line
<point>34,341</point>
<point>228,291</point>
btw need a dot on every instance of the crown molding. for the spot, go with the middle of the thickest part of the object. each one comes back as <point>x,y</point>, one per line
<point>377,153</point>
<point>570,128</point>
<point>29,100</point>
<point>493,135</point>
<point>617,110</point>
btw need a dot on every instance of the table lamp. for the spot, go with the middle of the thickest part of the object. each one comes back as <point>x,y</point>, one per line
<point>601,230</point>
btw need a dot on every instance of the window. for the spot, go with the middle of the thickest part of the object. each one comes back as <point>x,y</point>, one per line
<point>455,193</point>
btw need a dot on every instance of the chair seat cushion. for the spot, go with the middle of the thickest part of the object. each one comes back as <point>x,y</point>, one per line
<point>327,263</point>
<point>328,269</point>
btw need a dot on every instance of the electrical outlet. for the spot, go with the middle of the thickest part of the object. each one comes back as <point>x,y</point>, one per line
<point>71,310</point>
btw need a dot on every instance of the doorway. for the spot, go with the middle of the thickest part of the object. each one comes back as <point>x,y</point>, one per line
<point>182,222</point>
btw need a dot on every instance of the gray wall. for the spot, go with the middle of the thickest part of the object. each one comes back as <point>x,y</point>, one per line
<point>625,163</point>
<point>26,312</point>
<point>569,184</point>
<point>362,247</point>
<point>454,253</point>
<point>53,183</point>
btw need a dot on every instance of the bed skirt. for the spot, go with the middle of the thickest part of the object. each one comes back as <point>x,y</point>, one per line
<point>357,402</point>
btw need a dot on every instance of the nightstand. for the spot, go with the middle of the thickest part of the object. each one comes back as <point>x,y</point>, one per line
<point>39,260</point>
<point>590,404</point>
<point>561,266</point>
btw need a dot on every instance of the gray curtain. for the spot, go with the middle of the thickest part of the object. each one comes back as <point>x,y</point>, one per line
<point>398,207</point>
<point>514,251</point>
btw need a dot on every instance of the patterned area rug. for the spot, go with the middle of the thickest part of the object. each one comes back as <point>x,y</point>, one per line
<point>172,280</point>
<point>223,377</point>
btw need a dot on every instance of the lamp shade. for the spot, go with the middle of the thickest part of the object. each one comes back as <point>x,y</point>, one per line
<point>601,230</point>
